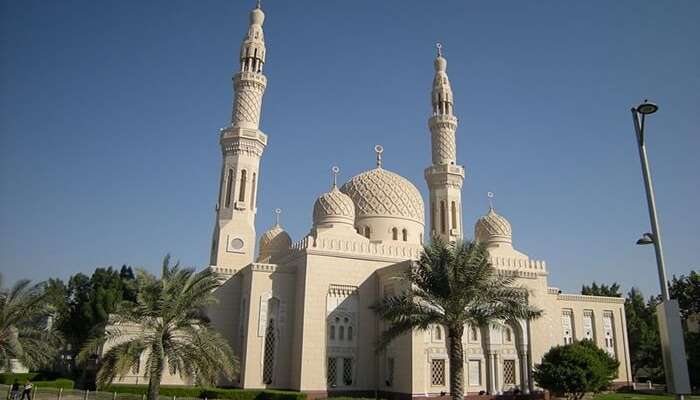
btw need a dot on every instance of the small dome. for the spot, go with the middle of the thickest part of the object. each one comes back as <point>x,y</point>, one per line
<point>382,193</point>
<point>493,228</point>
<point>274,242</point>
<point>257,16</point>
<point>334,207</point>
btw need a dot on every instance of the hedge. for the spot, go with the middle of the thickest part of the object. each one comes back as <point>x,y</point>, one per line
<point>60,383</point>
<point>40,379</point>
<point>209,393</point>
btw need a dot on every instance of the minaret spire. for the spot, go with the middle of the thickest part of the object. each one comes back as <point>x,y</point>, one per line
<point>444,176</point>
<point>242,146</point>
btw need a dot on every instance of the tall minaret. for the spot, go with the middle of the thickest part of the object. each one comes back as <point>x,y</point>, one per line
<point>444,176</point>
<point>242,145</point>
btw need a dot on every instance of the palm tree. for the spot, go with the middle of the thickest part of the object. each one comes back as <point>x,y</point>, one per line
<point>453,285</point>
<point>172,331</point>
<point>25,331</point>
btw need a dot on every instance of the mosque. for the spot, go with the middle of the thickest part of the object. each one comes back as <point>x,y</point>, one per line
<point>297,313</point>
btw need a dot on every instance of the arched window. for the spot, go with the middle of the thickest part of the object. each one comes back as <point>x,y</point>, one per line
<point>421,238</point>
<point>404,233</point>
<point>433,217</point>
<point>269,360</point>
<point>241,193</point>
<point>438,333</point>
<point>453,214</point>
<point>331,334</point>
<point>350,333</point>
<point>252,192</point>
<point>475,334</point>
<point>443,220</point>
<point>341,333</point>
<point>367,232</point>
<point>394,234</point>
<point>229,188</point>
<point>509,337</point>
<point>270,342</point>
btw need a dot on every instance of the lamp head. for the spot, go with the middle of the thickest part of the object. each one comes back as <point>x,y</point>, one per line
<point>647,238</point>
<point>647,108</point>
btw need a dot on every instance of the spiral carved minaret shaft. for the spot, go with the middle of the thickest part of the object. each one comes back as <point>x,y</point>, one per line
<point>444,176</point>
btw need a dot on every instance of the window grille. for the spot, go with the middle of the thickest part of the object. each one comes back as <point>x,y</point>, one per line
<point>567,326</point>
<point>588,324</point>
<point>509,372</point>
<point>347,371</point>
<point>474,373</point>
<point>609,333</point>
<point>269,360</point>
<point>437,372</point>
<point>332,371</point>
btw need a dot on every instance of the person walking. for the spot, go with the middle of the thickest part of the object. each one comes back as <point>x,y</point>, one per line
<point>27,392</point>
<point>14,390</point>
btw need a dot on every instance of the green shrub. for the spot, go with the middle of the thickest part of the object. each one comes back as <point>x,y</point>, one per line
<point>574,369</point>
<point>8,378</point>
<point>41,379</point>
<point>209,393</point>
<point>60,383</point>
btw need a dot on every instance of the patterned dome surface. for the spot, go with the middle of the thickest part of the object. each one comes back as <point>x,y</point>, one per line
<point>492,226</point>
<point>382,193</point>
<point>274,240</point>
<point>334,205</point>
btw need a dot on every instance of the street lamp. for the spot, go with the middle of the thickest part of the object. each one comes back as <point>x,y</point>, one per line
<point>672,346</point>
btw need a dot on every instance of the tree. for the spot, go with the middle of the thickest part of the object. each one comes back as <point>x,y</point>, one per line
<point>575,369</point>
<point>643,334</point>
<point>686,289</point>
<point>174,331</point>
<point>602,290</point>
<point>25,330</point>
<point>453,285</point>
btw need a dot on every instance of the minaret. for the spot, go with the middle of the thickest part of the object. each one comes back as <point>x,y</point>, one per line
<point>242,145</point>
<point>444,176</point>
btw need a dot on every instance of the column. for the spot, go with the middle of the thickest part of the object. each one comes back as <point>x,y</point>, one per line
<point>522,357</point>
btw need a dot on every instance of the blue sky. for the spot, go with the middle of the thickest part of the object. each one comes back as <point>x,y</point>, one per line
<point>110,110</point>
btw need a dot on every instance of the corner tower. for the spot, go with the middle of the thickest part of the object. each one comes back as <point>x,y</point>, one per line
<point>444,176</point>
<point>242,145</point>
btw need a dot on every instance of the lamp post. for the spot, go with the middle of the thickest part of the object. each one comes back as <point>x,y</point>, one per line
<point>672,346</point>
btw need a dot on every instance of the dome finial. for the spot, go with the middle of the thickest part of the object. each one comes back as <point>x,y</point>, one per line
<point>490,195</point>
<point>379,150</point>
<point>278,211</point>
<point>438,45</point>
<point>257,4</point>
<point>335,171</point>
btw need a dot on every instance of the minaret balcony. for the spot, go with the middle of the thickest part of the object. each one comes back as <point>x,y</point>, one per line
<point>257,77</point>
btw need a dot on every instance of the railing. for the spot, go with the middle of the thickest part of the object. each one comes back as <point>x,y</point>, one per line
<point>49,393</point>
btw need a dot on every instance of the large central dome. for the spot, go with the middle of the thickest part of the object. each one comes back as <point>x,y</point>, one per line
<point>382,193</point>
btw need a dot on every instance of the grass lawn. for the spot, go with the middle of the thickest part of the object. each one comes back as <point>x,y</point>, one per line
<point>640,396</point>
